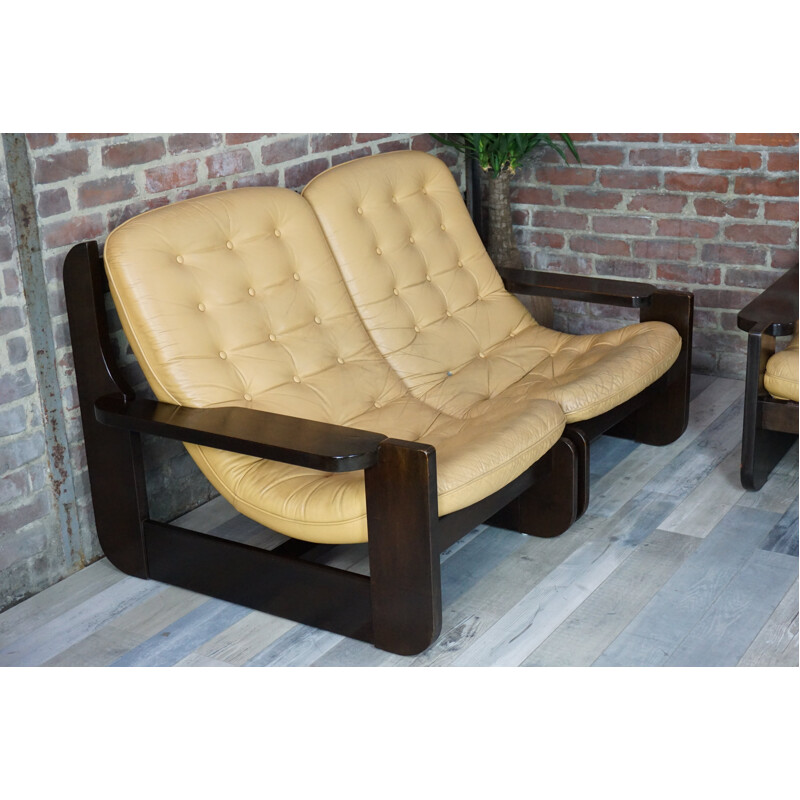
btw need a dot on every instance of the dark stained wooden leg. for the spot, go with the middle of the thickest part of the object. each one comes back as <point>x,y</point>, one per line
<point>550,506</point>
<point>664,418</point>
<point>762,449</point>
<point>116,472</point>
<point>405,579</point>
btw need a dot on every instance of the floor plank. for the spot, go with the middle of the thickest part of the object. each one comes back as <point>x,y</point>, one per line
<point>777,644</point>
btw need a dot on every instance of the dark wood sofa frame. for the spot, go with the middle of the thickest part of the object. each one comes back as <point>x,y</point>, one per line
<point>398,607</point>
<point>769,426</point>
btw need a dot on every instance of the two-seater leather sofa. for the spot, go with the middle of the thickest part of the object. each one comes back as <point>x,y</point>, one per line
<point>348,366</point>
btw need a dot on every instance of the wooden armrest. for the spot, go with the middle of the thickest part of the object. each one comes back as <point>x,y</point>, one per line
<point>607,291</point>
<point>774,311</point>
<point>292,440</point>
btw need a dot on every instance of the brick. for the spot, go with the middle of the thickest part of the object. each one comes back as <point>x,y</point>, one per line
<point>11,283</point>
<point>533,195</point>
<point>119,214</point>
<point>781,210</point>
<point>52,201</point>
<point>782,162</point>
<point>599,155</point>
<point>229,163</point>
<point>750,278</point>
<point>729,159</point>
<point>733,254</point>
<point>519,216</point>
<point>695,182</point>
<point>361,138</point>
<point>105,191</point>
<point>566,176</point>
<point>284,150</point>
<point>783,259</point>
<point>386,147</point>
<point>127,154</point>
<point>724,298</point>
<point>244,138</point>
<point>681,273</point>
<point>6,247</point>
<point>271,178</point>
<point>340,158</point>
<point>189,142</point>
<point>19,517</point>
<point>589,199</point>
<point>552,218</point>
<point>635,226</point>
<point>582,137</point>
<point>36,141</point>
<point>658,203</point>
<point>11,319</point>
<point>624,269</point>
<point>767,139</point>
<point>299,175</point>
<point>17,349</point>
<point>172,176</point>
<point>323,142</point>
<point>627,137</point>
<point>557,262</point>
<point>71,231</point>
<point>717,341</point>
<point>88,137</point>
<point>544,239</point>
<point>664,250</point>
<point>15,386</point>
<point>12,420</point>
<point>687,228</point>
<point>756,184</point>
<point>759,234</point>
<point>711,207</point>
<point>697,138</point>
<point>599,245</point>
<point>61,166</point>
<point>629,179</point>
<point>424,142</point>
<point>659,157</point>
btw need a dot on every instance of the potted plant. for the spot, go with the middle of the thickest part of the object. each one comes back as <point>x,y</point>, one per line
<point>499,155</point>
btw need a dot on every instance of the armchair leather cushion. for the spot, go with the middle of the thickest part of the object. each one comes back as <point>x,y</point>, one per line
<point>436,308</point>
<point>235,299</point>
<point>781,378</point>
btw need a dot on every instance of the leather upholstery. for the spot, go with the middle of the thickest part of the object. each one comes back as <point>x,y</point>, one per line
<point>433,303</point>
<point>781,376</point>
<point>234,299</point>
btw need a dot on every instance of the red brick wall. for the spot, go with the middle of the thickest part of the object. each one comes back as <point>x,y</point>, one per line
<point>715,213</point>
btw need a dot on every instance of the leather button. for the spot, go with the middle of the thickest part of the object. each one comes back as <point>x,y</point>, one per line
<point>201,307</point>
<point>442,226</point>
<point>317,320</point>
<point>277,233</point>
<point>512,334</point>
<point>482,355</point>
<point>428,278</point>
<point>416,328</point>
<point>376,404</point>
<point>229,245</point>
<point>378,250</point>
<point>223,355</point>
<point>424,190</point>
<point>411,239</point>
<point>448,313</point>
<point>395,291</point>
<point>248,397</point>
<point>460,263</point>
<point>360,210</point>
<point>273,337</point>
<point>179,259</point>
<point>296,379</point>
<point>394,200</point>
<point>296,276</point>
<point>340,360</point>
<point>251,292</point>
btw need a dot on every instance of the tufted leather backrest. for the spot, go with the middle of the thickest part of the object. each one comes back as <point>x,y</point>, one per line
<point>419,275</point>
<point>235,299</point>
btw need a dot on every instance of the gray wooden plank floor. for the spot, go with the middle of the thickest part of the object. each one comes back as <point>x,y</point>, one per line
<point>674,564</point>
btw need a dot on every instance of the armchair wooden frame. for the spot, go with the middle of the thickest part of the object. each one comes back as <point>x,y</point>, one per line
<point>398,607</point>
<point>769,426</point>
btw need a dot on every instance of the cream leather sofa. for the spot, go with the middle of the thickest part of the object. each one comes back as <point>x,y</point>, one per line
<point>770,418</point>
<point>347,366</point>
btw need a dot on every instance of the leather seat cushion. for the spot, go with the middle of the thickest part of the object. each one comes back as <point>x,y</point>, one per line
<point>781,378</point>
<point>437,309</point>
<point>234,299</point>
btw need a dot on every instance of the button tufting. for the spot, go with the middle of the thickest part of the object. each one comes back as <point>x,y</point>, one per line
<point>296,276</point>
<point>248,397</point>
<point>296,379</point>
<point>179,259</point>
<point>460,263</point>
<point>416,328</point>
<point>411,239</point>
<point>223,355</point>
<point>376,404</point>
<point>229,245</point>
<point>448,313</point>
<point>360,210</point>
<point>340,360</point>
<point>378,250</point>
<point>251,292</point>
<point>395,291</point>
<point>442,226</point>
<point>394,199</point>
<point>482,355</point>
<point>273,337</point>
<point>317,320</point>
<point>428,278</point>
<point>277,233</point>
<point>201,307</point>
